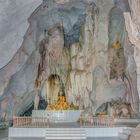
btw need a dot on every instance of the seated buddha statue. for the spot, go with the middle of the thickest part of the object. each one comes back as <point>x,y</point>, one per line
<point>61,98</point>
<point>116,45</point>
<point>60,104</point>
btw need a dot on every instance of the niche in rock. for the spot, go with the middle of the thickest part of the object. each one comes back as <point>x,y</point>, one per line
<point>117,64</point>
<point>121,62</point>
<point>55,85</point>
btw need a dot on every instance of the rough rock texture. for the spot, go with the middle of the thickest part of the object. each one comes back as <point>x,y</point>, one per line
<point>132,21</point>
<point>135,134</point>
<point>84,44</point>
<point>14,24</point>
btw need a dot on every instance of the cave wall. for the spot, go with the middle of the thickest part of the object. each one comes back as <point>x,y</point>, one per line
<point>14,23</point>
<point>132,21</point>
<point>80,53</point>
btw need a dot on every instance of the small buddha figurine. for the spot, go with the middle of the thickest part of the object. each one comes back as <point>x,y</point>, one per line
<point>116,45</point>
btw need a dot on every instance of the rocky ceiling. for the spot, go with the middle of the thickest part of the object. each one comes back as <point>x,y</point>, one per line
<point>14,16</point>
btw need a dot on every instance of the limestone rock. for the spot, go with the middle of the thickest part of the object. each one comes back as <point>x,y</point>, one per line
<point>135,134</point>
<point>81,77</point>
<point>132,21</point>
<point>71,39</point>
<point>14,24</point>
<point>74,49</point>
<point>61,1</point>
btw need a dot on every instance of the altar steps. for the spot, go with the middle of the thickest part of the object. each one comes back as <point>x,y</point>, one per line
<point>65,133</point>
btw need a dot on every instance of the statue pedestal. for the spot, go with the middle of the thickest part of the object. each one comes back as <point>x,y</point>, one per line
<point>57,116</point>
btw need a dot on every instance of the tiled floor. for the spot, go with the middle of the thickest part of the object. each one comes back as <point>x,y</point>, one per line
<point>3,133</point>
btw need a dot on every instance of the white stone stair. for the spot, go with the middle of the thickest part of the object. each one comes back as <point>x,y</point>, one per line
<point>125,133</point>
<point>65,133</point>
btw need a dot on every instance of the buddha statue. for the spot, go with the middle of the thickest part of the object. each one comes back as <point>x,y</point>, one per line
<point>116,45</point>
<point>60,104</point>
<point>61,98</point>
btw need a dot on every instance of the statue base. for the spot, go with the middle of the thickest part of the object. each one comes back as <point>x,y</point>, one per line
<point>58,116</point>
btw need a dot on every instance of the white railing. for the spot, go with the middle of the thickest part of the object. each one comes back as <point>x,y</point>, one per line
<point>103,121</point>
<point>44,122</point>
<point>29,122</point>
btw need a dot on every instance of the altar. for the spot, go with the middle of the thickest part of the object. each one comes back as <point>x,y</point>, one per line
<point>58,116</point>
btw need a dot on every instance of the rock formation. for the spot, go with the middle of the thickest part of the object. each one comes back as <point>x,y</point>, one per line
<point>132,21</point>
<point>83,48</point>
<point>135,134</point>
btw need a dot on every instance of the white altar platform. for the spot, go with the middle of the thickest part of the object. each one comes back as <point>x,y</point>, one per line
<point>73,130</point>
<point>58,116</point>
<point>42,132</point>
<point>63,125</point>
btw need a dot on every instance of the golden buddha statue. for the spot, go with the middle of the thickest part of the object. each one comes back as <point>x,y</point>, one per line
<point>116,45</point>
<point>60,104</point>
<point>61,98</point>
<point>101,114</point>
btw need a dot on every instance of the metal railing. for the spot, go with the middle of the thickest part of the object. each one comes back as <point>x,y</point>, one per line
<point>30,121</point>
<point>98,122</point>
<point>44,122</point>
